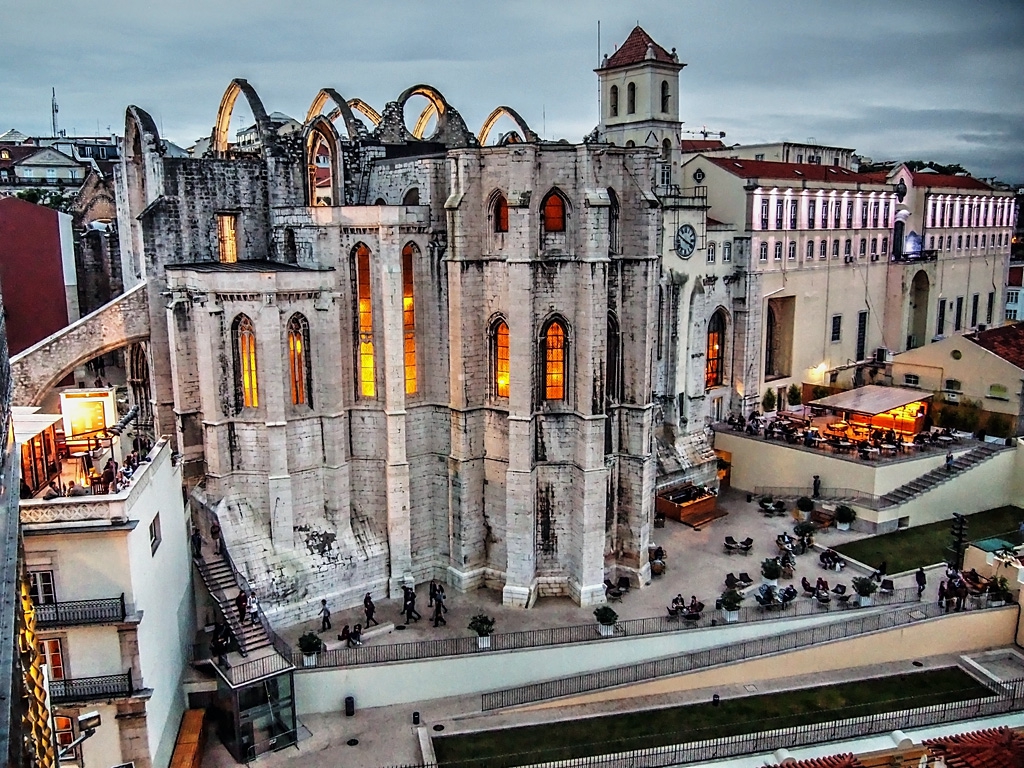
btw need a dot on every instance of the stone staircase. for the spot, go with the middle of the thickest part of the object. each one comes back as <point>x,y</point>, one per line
<point>222,584</point>
<point>919,485</point>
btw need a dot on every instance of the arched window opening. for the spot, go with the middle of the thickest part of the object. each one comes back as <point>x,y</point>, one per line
<point>715,357</point>
<point>298,360</point>
<point>227,238</point>
<point>666,149</point>
<point>613,101</point>
<point>554,213</point>
<point>320,166</point>
<point>409,319</point>
<point>412,197</point>
<point>554,362</point>
<point>380,201</point>
<point>613,372</point>
<point>613,221</point>
<point>665,97</point>
<point>246,388</point>
<point>502,368</point>
<point>631,98</point>
<point>367,377</point>
<point>500,214</point>
<point>291,255</point>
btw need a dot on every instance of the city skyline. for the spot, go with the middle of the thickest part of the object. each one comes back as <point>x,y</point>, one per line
<point>931,82</point>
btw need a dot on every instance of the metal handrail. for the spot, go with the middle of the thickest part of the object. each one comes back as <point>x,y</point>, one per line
<point>708,657</point>
<point>88,688</point>
<point>825,494</point>
<point>77,612</point>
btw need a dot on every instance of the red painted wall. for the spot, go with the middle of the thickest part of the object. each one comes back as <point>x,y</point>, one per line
<point>31,273</point>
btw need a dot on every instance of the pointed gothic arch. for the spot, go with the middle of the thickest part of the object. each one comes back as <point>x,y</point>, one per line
<point>219,137</point>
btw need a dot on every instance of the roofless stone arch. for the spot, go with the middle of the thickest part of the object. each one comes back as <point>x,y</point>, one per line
<point>321,129</point>
<point>496,115</point>
<point>219,137</point>
<point>451,129</point>
<point>341,107</point>
<point>372,114</point>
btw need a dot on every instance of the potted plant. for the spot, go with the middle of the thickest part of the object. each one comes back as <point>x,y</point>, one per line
<point>769,401</point>
<point>310,645</point>
<point>731,600</point>
<point>865,588</point>
<point>765,502</point>
<point>805,528</point>
<point>844,517</point>
<point>771,569</point>
<point>999,591</point>
<point>606,619</point>
<point>806,505</point>
<point>483,625</point>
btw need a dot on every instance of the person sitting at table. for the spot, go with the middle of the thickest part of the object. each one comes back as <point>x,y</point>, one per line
<point>820,585</point>
<point>694,605</point>
<point>678,602</point>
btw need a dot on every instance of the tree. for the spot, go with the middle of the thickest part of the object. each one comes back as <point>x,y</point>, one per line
<point>768,401</point>
<point>50,198</point>
<point>793,395</point>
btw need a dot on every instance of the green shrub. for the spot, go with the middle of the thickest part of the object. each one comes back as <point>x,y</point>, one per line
<point>864,586</point>
<point>771,568</point>
<point>819,392</point>
<point>731,600</point>
<point>793,395</point>
<point>605,615</point>
<point>845,514</point>
<point>998,425</point>
<point>482,624</point>
<point>805,504</point>
<point>310,643</point>
<point>768,402</point>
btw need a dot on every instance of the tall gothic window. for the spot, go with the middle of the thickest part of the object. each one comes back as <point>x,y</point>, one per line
<point>715,358</point>
<point>246,388</point>
<point>298,360</point>
<point>409,319</point>
<point>613,221</point>
<point>554,362</point>
<point>554,212</point>
<point>665,97</point>
<point>613,101</point>
<point>227,238</point>
<point>500,214</point>
<point>502,376</point>
<point>367,378</point>
<point>613,364</point>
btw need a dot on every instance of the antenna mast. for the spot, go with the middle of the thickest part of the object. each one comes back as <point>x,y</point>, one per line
<point>54,110</point>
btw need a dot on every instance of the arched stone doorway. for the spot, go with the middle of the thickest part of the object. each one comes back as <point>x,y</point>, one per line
<point>917,328</point>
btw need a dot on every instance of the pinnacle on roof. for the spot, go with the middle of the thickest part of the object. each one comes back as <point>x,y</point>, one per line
<point>637,48</point>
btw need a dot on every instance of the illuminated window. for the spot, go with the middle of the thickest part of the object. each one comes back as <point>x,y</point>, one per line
<point>247,391</point>
<point>53,657</point>
<point>715,358</point>
<point>613,101</point>
<point>554,362</point>
<point>500,214</point>
<point>501,359</point>
<point>298,362</point>
<point>409,318</point>
<point>367,378</point>
<point>320,167</point>
<point>227,237</point>
<point>554,213</point>
<point>64,732</point>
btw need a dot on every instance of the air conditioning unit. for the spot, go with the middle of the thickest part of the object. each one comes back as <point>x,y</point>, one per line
<point>951,397</point>
<point>874,257</point>
<point>883,355</point>
<point>848,260</point>
<point>982,327</point>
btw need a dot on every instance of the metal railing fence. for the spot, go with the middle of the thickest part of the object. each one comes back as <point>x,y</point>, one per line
<point>89,688</point>
<point>78,612</point>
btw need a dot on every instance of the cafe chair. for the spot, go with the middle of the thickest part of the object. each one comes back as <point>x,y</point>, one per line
<point>886,587</point>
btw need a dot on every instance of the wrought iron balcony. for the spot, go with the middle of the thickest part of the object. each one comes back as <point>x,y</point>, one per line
<point>90,688</point>
<point>78,612</point>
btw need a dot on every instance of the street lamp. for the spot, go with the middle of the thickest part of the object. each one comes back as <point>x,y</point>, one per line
<point>87,724</point>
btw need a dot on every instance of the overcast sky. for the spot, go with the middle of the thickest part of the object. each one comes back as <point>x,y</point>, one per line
<point>931,80</point>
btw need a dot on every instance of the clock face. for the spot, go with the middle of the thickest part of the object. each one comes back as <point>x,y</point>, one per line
<point>686,241</point>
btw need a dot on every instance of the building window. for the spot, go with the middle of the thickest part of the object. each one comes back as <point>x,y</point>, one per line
<point>367,372</point>
<point>911,379</point>
<point>837,213</point>
<point>52,655</point>
<point>715,358</point>
<point>989,306</point>
<point>862,333</point>
<point>863,246</point>
<point>848,247</point>
<point>958,318</point>
<point>998,392</point>
<point>246,387</point>
<point>613,366</point>
<point>874,214</point>
<point>837,328</point>
<point>764,214</point>
<point>727,251</point>
<point>40,587</point>
<point>409,318</point>
<point>835,249</point>
<point>874,245</point>
<point>666,174</point>
<point>885,214</point>
<point>823,249</point>
<point>949,242</point>
<point>762,254</point>
<point>975,240</point>
<point>885,246</point>
<point>983,241</point>
<point>155,537</point>
<point>554,213</point>
<point>613,101</point>
<point>631,98</point>
<point>810,250</point>
<point>931,214</point>
<point>554,362</point>
<point>824,214</point>
<point>500,214</point>
<point>1012,297</point>
<point>940,318</point>
<point>711,253</point>
<point>613,221</point>
<point>298,362</point>
<point>931,242</point>
<point>849,214</point>
<point>810,214</point>
<point>64,733</point>
<point>975,301</point>
<point>792,251</point>
<point>227,237</point>
<point>501,358</point>
<point>1011,314</point>
<point>793,208</point>
<point>665,97</point>
<point>864,215</point>
<point>759,156</point>
<point>953,385</point>
<point>778,251</point>
<point>778,214</point>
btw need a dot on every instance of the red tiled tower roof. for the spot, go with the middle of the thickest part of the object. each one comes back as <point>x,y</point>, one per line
<point>1006,342</point>
<point>634,51</point>
<point>990,748</point>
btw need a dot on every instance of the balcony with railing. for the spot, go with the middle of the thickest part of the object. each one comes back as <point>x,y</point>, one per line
<point>91,688</point>
<point>916,256</point>
<point>71,613</point>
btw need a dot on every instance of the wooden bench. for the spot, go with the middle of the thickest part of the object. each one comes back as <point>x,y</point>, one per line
<point>188,748</point>
<point>822,518</point>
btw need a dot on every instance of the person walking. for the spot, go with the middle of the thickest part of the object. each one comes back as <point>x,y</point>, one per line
<point>369,609</point>
<point>942,596</point>
<point>325,616</point>
<point>215,535</point>
<point>439,613</point>
<point>409,606</point>
<point>197,543</point>
<point>949,460</point>
<point>922,582</point>
<point>817,487</point>
<point>433,593</point>
<point>241,603</point>
<point>253,607</point>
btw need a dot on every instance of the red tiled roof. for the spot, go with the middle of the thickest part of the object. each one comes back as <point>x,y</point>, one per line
<point>990,748</point>
<point>764,169</point>
<point>832,761</point>
<point>17,152</point>
<point>1006,342</point>
<point>634,51</point>
<point>943,180</point>
<point>699,145</point>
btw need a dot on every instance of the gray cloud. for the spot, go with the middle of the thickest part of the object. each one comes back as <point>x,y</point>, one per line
<point>937,79</point>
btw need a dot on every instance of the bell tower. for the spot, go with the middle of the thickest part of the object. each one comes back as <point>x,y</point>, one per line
<point>640,94</point>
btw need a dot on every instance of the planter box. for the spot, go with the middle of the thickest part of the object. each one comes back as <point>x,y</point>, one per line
<point>606,630</point>
<point>483,641</point>
<point>843,526</point>
<point>865,601</point>
<point>309,659</point>
<point>731,617</point>
<point>771,582</point>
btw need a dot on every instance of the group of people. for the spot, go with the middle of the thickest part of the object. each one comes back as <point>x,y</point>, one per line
<point>955,588</point>
<point>831,560</point>
<point>679,604</point>
<point>248,606</point>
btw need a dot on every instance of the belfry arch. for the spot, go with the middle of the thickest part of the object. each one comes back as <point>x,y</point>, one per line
<point>219,137</point>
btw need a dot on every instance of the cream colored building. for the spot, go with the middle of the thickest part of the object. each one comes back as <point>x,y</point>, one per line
<point>789,152</point>
<point>986,368</point>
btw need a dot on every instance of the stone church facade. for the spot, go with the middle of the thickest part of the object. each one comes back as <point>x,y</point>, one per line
<point>388,357</point>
